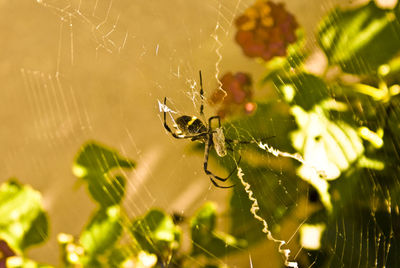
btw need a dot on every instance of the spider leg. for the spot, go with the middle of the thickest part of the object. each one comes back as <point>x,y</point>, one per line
<point>219,186</point>
<point>214,117</point>
<point>166,125</point>
<point>201,96</point>
<point>209,173</point>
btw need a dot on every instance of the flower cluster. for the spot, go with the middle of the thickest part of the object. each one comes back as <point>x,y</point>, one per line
<point>5,252</point>
<point>265,30</point>
<point>235,95</point>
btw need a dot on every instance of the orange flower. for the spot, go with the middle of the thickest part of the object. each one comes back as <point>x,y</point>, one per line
<point>5,252</point>
<point>235,96</point>
<point>265,30</point>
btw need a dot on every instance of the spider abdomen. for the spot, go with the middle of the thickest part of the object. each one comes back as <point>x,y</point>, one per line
<point>190,125</point>
<point>218,138</point>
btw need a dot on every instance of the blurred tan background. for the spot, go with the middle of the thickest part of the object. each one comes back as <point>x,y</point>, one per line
<point>73,71</point>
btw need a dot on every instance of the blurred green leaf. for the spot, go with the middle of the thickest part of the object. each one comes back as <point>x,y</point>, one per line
<point>156,233</point>
<point>328,147</point>
<point>362,219</point>
<point>119,255</point>
<point>102,232</point>
<point>23,221</point>
<point>68,250</point>
<point>5,252</point>
<point>96,158</point>
<point>393,121</point>
<point>361,39</point>
<point>276,195</point>
<point>390,70</point>
<point>304,90</point>
<point>206,239</point>
<point>94,164</point>
<point>340,142</point>
<point>20,262</point>
<point>363,239</point>
<point>109,191</point>
<point>271,121</point>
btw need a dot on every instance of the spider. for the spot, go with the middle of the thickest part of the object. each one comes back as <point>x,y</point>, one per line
<point>190,127</point>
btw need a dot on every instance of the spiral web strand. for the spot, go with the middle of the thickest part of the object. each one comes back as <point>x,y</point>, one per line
<point>254,208</point>
<point>296,156</point>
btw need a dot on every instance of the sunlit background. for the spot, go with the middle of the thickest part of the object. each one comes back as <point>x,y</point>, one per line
<point>74,71</point>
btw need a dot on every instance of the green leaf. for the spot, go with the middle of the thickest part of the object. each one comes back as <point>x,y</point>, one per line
<point>328,148</point>
<point>319,138</point>
<point>206,239</point>
<point>304,90</point>
<point>119,255</point>
<point>94,164</point>
<point>38,231</point>
<point>23,221</point>
<point>156,233</point>
<point>96,158</point>
<point>361,39</point>
<point>108,191</point>
<point>102,232</point>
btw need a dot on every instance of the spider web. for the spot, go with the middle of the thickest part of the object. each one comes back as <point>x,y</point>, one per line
<point>91,69</point>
